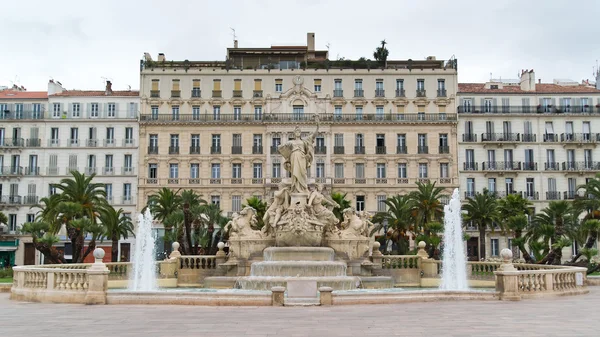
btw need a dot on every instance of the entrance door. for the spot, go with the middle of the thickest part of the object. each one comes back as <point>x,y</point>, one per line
<point>473,249</point>
<point>125,251</point>
<point>29,258</point>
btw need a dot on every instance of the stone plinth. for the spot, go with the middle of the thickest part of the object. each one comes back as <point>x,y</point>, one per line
<point>245,248</point>
<point>352,248</point>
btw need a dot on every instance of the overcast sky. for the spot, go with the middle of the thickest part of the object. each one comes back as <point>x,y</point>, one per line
<point>79,44</point>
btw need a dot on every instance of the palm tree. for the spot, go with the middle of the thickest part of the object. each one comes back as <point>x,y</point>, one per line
<point>511,207</point>
<point>116,226</point>
<point>344,203</point>
<point>162,205</point>
<point>482,210</point>
<point>43,240</point>
<point>189,199</point>
<point>518,224</point>
<point>3,219</point>
<point>210,224</point>
<point>48,212</point>
<point>427,208</point>
<point>513,204</point>
<point>559,215</point>
<point>381,53</point>
<point>260,207</point>
<point>398,219</point>
<point>589,231</point>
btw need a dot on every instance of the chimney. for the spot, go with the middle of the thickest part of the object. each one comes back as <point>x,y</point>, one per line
<point>54,87</point>
<point>527,81</point>
<point>235,43</point>
<point>310,42</point>
<point>108,91</point>
<point>161,57</point>
<point>598,79</point>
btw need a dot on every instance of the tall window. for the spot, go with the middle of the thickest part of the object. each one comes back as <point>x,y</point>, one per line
<point>257,170</point>
<point>216,112</point>
<point>402,172</point>
<point>196,113</point>
<point>494,245</point>
<point>420,85</point>
<point>127,192</point>
<point>56,110</point>
<point>381,171</point>
<point>381,206</point>
<point>359,140</point>
<point>76,110</point>
<point>444,170</point>
<point>360,203</point>
<point>236,203</point>
<point>154,111</point>
<point>215,200</point>
<point>422,170</point>
<point>174,141</point>
<point>320,169</point>
<point>237,113</point>
<point>152,171</point>
<point>337,111</point>
<point>216,141</point>
<point>175,112</point>
<point>492,185</point>
<point>298,112</point>
<point>236,171</point>
<point>194,171</point>
<point>112,110</point>
<point>339,170</point>
<point>195,141</point>
<point>257,112</point>
<point>276,170</point>
<point>173,171</point>
<point>215,171</point>
<point>94,111</point>
<point>360,171</point>
<point>153,140</point>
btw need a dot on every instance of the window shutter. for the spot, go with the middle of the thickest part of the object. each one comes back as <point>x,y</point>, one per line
<point>175,85</point>
<point>70,109</point>
<point>494,105</point>
<point>196,83</point>
<point>257,85</point>
<point>154,85</point>
<point>104,110</point>
<point>237,85</point>
<point>116,109</point>
<point>554,102</point>
<point>216,85</point>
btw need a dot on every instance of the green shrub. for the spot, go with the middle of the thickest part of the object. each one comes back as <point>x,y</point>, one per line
<point>6,273</point>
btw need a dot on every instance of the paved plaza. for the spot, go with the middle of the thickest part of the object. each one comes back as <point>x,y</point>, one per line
<point>562,316</point>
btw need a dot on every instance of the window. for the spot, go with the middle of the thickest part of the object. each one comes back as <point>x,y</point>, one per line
<point>379,85</point>
<point>127,191</point>
<point>298,112</point>
<point>586,131</point>
<point>196,88</point>
<point>359,140</point>
<point>443,140</point>
<point>173,171</point>
<point>381,171</point>
<point>587,159</point>
<point>530,188</point>
<point>152,171</point>
<point>317,85</point>
<point>509,185</point>
<point>108,188</point>
<point>402,172</point>
<point>30,217</point>
<point>108,162</point>
<point>494,245</point>
<point>76,110</point>
<point>196,112</point>
<point>194,171</point>
<point>236,203</point>
<point>215,200</point>
<point>360,171</point>
<point>56,110</point>
<point>442,85</point>
<point>381,206</point>
<point>110,136</point>
<point>112,110</point>
<point>338,139</point>
<point>128,136</point>
<point>215,171</point>
<point>153,141</point>
<point>339,170</point>
<point>195,141</point>
<point>257,112</point>
<point>444,170</point>
<point>216,141</point>
<point>547,104</point>
<point>585,105</point>
<point>216,112</point>
<point>12,222</point>
<point>174,141</point>
<point>337,84</point>
<point>320,142</point>
<point>566,104</point>
<point>278,85</point>
<point>401,143</point>
<point>154,111</point>
<point>257,140</point>
<point>74,141</point>
<point>320,169</point>
<point>492,185</point>
<point>276,170</point>
<point>420,85</point>
<point>359,112</point>
<point>358,84</point>
<point>470,187</point>
<point>236,171</point>
<point>379,112</point>
<point>467,105</point>
<point>422,170</point>
<point>175,112</point>
<point>257,170</point>
<point>337,111</point>
<point>360,203</point>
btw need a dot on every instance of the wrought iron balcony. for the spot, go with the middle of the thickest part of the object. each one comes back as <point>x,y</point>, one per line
<point>128,170</point>
<point>401,149</point>
<point>152,149</point>
<point>274,150</point>
<point>400,93</point>
<point>444,149</point>
<point>53,142</point>
<point>194,149</point>
<point>469,137</point>
<point>128,142</point>
<point>421,93</point>
<point>110,142</point>
<point>379,93</point>
<point>32,171</point>
<point>581,166</point>
<point>548,166</point>
<point>380,150</point>
<point>34,142</point>
<point>525,109</point>
<point>155,93</point>
<point>11,142</point>
<point>30,200</point>
<point>359,93</point>
<point>529,166</point>
<point>73,142</point>
<point>338,150</point>
<point>215,150</point>
<point>91,142</point>
<point>234,150</point>
<point>470,166</point>
<point>237,93</point>
<point>570,195</point>
<point>528,137</point>
<point>441,93</point>
<point>52,171</point>
<point>580,137</point>
<point>196,93</point>
<point>175,93</point>
<point>553,195</point>
<point>257,149</point>
<point>108,171</point>
<point>90,170</point>
<point>173,149</point>
<point>338,93</point>
<point>422,149</point>
<point>500,137</point>
<point>469,194</point>
<point>550,137</point>
<point>28,112</point>
<point>11,171</point>
<point>501,166</point>
<point>216,93</point>
<point>359,150</point>
<point>257,94</point>
<point>320,149</point>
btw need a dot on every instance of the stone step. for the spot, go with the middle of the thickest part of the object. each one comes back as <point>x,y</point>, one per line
<point>298,254</point>
<point>298,268</point>
<point>266,283</point>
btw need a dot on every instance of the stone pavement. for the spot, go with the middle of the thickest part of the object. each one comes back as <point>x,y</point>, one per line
<point>559,316</point>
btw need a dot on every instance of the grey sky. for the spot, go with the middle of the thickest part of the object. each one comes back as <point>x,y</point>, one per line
<point>79,44</point>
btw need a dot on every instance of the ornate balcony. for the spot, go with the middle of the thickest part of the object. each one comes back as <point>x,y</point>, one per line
<point>234,150</point>
<point>194,149</point>
<point>257,149</point>
<point>401,150</point>
<point>380,150</point>
<point>501,166</point>
<point>338,150</point>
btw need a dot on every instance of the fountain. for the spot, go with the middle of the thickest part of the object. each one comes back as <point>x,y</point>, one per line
<point>454,272</point>
<point>143,276</point>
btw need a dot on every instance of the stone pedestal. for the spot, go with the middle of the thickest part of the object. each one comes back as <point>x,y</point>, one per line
<point>326,298</point>
<point>376,256</point>
<point>507,285</point>
<point>246,248</point>
<point>298,198</point>
<point>277,296</point>
<point>353,249</point>
<point>97,280</point>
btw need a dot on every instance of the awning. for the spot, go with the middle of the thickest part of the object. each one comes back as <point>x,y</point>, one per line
<point>7,249</point>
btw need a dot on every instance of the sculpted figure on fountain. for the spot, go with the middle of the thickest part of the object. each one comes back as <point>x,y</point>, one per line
<point>317,201</point>
<point>281,202</point>
<point>353,226</point>
<point>241,225</point>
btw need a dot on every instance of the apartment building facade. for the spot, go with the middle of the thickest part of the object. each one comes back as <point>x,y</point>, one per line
<point>215,126</point>
<point>536,139</point>
<point>93,132</point>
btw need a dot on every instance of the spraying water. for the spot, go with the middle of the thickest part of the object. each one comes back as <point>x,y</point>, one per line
<point>454,270</point>
<point>143,276</point>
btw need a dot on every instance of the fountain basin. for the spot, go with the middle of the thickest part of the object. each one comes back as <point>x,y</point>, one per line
<point>268,282</point>
<point>299,254</point>
<point>349,248</point>
<point>297,268</point>
<point>247,248</point>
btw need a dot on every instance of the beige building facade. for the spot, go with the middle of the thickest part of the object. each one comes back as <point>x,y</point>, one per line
<point>523,136</point>
<point>214,126</point>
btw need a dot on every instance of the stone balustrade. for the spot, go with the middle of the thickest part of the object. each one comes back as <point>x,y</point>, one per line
<point>192,269</point>
<point>401,262</point>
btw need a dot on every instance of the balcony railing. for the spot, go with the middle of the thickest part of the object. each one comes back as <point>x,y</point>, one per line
<point>11,170</point>
<point>274,150</point>
<point>338,93</point>
<point>529,166</point>
<point>500,137</point>
<point>109,142</point>
<point>501,165</point>
<point>359,93</point>
<point>11,142</point>
<point>155,93</point>
<point>401,149</point>
<point>32,171</point>
<point>469,194</point>
<point>90,170</point>
<point>469,137</point>
<point>553,195</point>
<point>257,94</point>
<point>338,150</point>
<point>175,93</point>
<point>470,166</point>
<point>524,109</point>
<point>173,149</point>
<point>215,150</point>
<point>108,171</point>
<point>151,181</point>
<point>217,93</point>
<point>550,137</point>
<point>581,166</point>
<point>257,149</point>
<point>294,118</point>
<point>10,199</point>
<point>359,150</point>
<point>570,195</point>
<point>52,171</point>
<point>421,93</point>
<point>580,137</point>
<point>444,149</point>
<point>237,93</point>
<point>379,93</point>
<point>73,142</point>
<point>127,200</point>
<point>548,166</point>
<point>422,149</point>
<point>128,170</point>
<point>196,93</point>
<point>380,150</point>
<point>152,149</point>
<point>441,93</point>
<point>320,149</point>
<point>234,150</point>
<point>91,142</point>
<point>30,200</point>
<point>400,93</point>
<point>194,149</point>
<point>28,113</point>
<point>128,142</point>
<point>528,137</point>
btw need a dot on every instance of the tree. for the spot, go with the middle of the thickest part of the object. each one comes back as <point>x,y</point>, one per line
<point>344,203</point>
<point>381,54</point>
<point>209,228</point>
<point>518,224</point>
<point>162,205</point>
<point>3,220</point>
<point>427,208</point>
<point>189,199</point>
<point>260,207</point>
<point>559,215</point>
<point>513,210</point>
<point>43,240</point>
<point>482,210</point>
<point>399,221</point>
<point>116,226</point>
